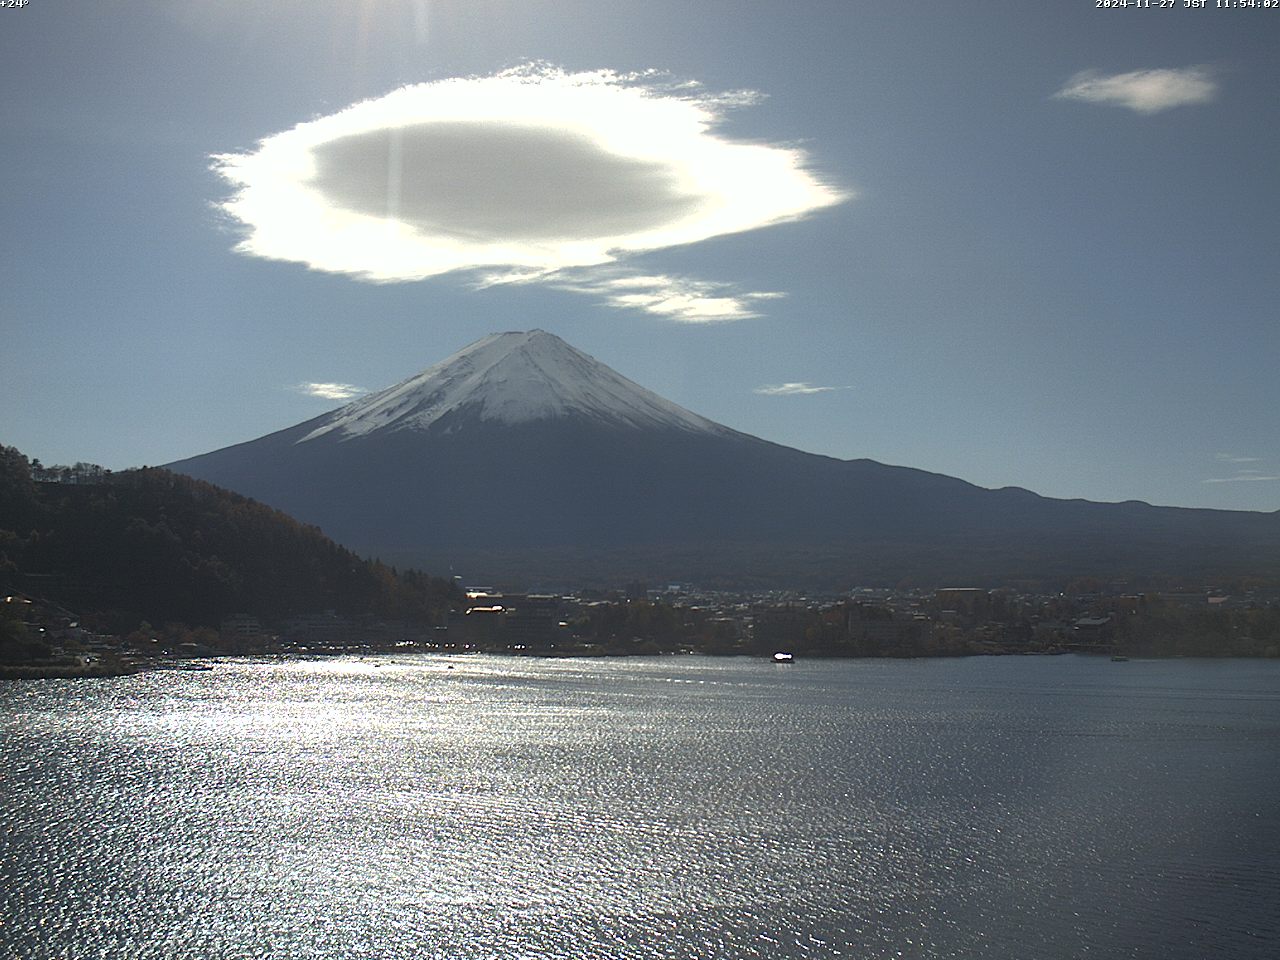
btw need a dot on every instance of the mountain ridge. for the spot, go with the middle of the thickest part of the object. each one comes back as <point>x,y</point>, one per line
<point>519,446</point>
<point>150,544</point>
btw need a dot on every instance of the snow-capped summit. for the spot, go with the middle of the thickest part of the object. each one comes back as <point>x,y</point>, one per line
<point>511,378</point>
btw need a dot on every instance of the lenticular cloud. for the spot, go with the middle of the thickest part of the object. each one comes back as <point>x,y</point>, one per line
<point>534,169</point>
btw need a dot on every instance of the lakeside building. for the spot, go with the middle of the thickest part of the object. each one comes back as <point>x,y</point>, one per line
<point>971,601</point>
<point>241,632</point>
<point>516,621</point>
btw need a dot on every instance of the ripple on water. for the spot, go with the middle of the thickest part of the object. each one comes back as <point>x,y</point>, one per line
<point>643,808</point>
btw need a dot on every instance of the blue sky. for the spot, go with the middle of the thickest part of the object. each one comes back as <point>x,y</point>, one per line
<point>1033,245</point>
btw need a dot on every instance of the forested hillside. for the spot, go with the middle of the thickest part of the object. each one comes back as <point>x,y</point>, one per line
<point>151,544</point>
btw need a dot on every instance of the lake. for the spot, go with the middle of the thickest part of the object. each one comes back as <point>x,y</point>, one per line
<point>678,807</point>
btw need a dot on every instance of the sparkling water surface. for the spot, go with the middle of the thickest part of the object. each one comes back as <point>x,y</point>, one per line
<point>678,807</point>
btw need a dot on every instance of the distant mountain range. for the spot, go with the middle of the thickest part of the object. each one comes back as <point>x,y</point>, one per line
<point>520,458</point>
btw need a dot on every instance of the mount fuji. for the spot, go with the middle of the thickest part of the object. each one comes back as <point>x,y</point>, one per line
<point>524,459</point>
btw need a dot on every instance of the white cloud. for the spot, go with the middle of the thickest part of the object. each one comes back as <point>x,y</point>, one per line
<point>1144,91</point>
<point>330,391</point>
<point>1242,474</point>
<point>525,174</point>
<point>1249,477</point>
<point>792,389</point>
<point>675,298</point>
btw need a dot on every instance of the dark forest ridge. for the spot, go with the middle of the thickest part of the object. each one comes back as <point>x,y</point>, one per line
<point>156,545</point>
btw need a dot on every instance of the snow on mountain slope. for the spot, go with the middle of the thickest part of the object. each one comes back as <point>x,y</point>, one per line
<point>513,378</point>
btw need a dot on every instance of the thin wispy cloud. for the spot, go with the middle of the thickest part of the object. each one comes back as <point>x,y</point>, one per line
<point>330,391</point>
<point>792,389</point>
<point>1242,474</point>
<point>1250,477</point>
<point>522,175</point>
<point>1143,91</point>
<point>681,299</point>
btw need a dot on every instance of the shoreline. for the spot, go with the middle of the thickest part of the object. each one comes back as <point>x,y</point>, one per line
<point>66,671</point>
<point>99,671</point>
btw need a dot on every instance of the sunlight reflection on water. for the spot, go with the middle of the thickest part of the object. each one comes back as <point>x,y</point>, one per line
<point>666,807</point>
